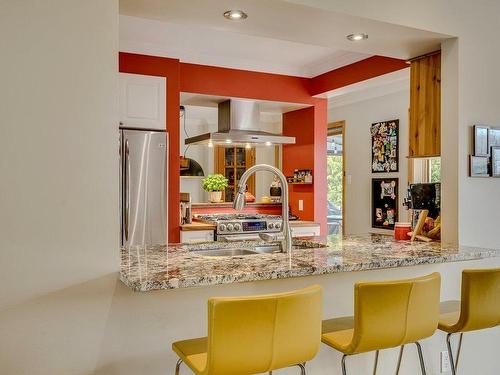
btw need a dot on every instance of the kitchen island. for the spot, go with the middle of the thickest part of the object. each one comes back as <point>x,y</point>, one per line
<point>182,266</point>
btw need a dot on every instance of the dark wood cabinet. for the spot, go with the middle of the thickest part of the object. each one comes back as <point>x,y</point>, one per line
<point>232,162</point>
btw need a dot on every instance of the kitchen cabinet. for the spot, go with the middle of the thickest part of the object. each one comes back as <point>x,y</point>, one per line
<point>425,107</point>
<point>232,162</point>
<point>142,101</point>
<point>194,236</point>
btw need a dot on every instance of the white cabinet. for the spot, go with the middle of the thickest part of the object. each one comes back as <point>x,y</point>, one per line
<point>143,101</point>
<point>305,230</point>
<point>194,236</point>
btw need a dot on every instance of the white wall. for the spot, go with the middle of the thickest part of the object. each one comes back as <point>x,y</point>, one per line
<point>359,116</point>
<point>59,227</point>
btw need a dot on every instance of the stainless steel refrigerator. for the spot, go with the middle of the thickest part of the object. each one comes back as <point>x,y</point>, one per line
<point>143,186</point>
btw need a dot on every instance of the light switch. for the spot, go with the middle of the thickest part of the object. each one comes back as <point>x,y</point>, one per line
<point>301,205</point>
<point>349,179</point>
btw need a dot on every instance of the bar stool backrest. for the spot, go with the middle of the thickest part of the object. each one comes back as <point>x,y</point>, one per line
<point>480,302</point>
<point>256,334</point>
<point>390,314</point>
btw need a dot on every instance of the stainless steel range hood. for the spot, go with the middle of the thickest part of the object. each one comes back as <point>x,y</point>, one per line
<point>239,123</point>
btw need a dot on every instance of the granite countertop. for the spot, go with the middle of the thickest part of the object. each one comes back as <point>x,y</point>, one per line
<point>180,267</point>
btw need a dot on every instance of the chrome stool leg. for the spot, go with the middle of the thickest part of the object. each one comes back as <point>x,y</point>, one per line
<point>421,358</point>
<point>376,363</point>
<point>177,366</point>
<point>344,372</point>
<point>458,350</point>
<point>400,357</point>
<point>454,364</point>
<point>302,368</point>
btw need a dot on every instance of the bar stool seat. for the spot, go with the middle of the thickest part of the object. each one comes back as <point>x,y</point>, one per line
<point>338,333</point>
<point>193,353</point>
<point>449,315</point>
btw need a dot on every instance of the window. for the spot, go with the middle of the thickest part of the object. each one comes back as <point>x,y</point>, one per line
<point>424,170</point>
<point>335,173</point>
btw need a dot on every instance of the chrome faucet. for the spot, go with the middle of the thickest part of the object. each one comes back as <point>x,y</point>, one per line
<point>285,236</point>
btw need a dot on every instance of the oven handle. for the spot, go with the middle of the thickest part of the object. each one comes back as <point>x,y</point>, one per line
<point>237,237</point>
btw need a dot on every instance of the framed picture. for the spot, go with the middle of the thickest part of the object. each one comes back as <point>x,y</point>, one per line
<point>495,161</point>
<point>385,146</point>
<point>478,166</point>
<point>493,138</point>
<point>384,202</point>
<point>481,147</point>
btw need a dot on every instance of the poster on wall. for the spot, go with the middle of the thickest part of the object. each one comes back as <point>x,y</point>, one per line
<point>384,202</point>
<point>385,146</point>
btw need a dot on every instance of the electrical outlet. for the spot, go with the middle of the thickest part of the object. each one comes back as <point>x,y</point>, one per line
<point>445,362</point>
<point>349,179</point>
<point>301,205</point>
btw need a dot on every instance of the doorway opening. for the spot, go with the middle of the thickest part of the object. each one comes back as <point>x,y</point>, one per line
<point>335,178</point>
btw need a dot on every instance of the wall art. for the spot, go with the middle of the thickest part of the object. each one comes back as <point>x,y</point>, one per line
<point>385,146</point>
<point>384,202</point>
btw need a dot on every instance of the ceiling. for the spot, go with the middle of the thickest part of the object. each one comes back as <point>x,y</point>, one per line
<point>202,45</point>
<point>277,37</point>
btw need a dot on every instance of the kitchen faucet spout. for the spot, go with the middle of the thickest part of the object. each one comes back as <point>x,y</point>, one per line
<point>285,236</point>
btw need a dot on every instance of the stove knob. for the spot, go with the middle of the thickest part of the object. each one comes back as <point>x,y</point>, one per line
<point>277,225</point>
<point>222,227</point>
<point>270,226</point>
<point>237,227</point>
<point>230,227</point>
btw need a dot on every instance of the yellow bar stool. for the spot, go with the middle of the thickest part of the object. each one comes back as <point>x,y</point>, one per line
<point>386,315</point>
<point>256,334</point>
<point>479,308</point>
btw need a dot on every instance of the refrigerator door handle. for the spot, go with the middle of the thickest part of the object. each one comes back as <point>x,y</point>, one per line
<point>127,188</point>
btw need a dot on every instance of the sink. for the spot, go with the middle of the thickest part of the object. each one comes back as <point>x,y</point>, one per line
<point>224,252</point>
<point>238,251</point>
<point>267,249</point>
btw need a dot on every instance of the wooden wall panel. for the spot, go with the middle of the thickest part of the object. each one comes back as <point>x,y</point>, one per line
<point>425,107</point>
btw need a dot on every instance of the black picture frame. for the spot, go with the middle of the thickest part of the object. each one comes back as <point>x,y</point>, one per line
<point>385,146</point>
<point>495,161</point>
<point>478,166</point>
<point>385,202</point>
<point>481,140</point>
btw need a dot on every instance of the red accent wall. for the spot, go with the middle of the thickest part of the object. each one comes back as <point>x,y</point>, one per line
<point>212,80</point>
<point>308,126</point>
<point>169,68</point>
<point>359,71</point>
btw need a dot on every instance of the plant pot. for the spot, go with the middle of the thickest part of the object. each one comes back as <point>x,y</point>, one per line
<point>215,196</point>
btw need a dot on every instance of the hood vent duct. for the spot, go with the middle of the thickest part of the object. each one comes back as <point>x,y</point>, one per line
<point>239,124</point>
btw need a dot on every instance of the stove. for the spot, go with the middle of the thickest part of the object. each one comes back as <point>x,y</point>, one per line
<point>238,227</point>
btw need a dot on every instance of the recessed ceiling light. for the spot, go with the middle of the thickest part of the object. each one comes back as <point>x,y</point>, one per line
<point>357,37</point>
<point>235,15</point>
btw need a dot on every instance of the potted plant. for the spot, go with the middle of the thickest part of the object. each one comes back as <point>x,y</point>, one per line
<point>214,184</point>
